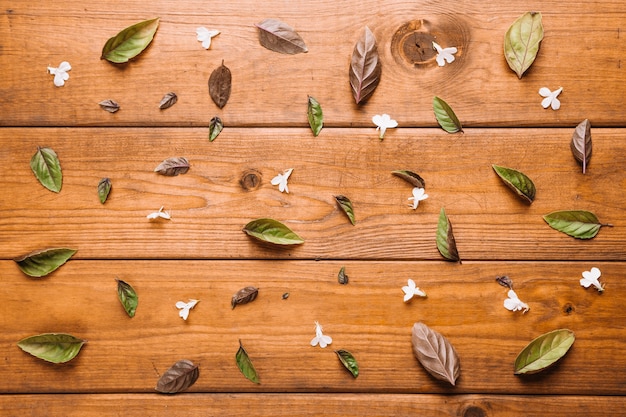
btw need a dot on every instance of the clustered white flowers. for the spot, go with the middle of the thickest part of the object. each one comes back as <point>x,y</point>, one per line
<point>281,180</point>
<point>60,73</point>
<point>320,338</point>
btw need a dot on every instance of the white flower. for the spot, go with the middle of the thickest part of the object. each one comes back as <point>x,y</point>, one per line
<point>591,277</point>
<point>159,214</point>
<point>418,195</point>
<point>281,180</point>
<point>513,303</point>
<point>60,73</point>
<point>383,122</point>
<point>205,35</point>
<point>320,337</point>
<point>411,290</point>
<point>550,98</point>
<point>185,307</point>
<point>444,54</point>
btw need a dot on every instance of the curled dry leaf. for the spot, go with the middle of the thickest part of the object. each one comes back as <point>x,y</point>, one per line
<point>411,177</point>
<point>518,182</point>
<point>342,277</point>
<point>104,188</point>
<point>315,116</point>
<point>245,365</point>
<point>182,375</point>
<point>109,105</point>
<point>544,351</point>
<point>215,128</point>
<point>173,166</point>
<point>130,42</point>
<point>127,296</point>
<point>521,42</point>
<point>279,37</point>
<point>365,67</point>
<point>435,353</point>
<point>47,169</point>
<point>346,205</point>
<point>52,347</point>
<point>220,83</point>
<point>41,263</point>
<point>446,117</point>
<point>272,231</point>
<point>445,238</point>
<point>580,224</point>
<point>244,296</point>
<point>349,361</point>
<point>168,100</point>
<point>581,143</point>
<point>505,281</point>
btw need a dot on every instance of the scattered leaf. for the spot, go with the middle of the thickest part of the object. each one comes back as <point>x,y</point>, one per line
<point>52,347</point>
<point>410,177</point>
<point>272,231</point>
<point>445,116</point>
<point>544,351</point>
<point>445,238</point>
<point>130,42</point>
<point>517,181</point>
<point>315,116</point>
<point>346,205</point>
<point>109,105</point>
<point>47,169</point>
<point>182,375</point>
<point>285,296</point>
<point>435,353</point>
<point>521,42</point>
<point>245,365</point>
<point>365,67</point>
<point>215,128</point>
<point>581,143</point>
<point>278,36</point>
<point>348,360</point>
<point>41,263</point>
<point>220,83</point>
<point>104,188</point>
<point>580,224</point>
<point>244,296</point>
<point>127,296</point>
<point>168,100</point>
<point>505,281</point>
<point>173,166</point>
<point>342,277</point>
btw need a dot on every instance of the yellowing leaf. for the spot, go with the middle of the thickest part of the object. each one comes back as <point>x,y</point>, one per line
<point>315,116</point>
<point>245,365</point>
<point>346,205</point>
<point>521,42</point>
<point>446,117</point>
<point>52,347</point>
<point>47,169</point>
<point>130,42</point>
<point>104,188</point>
<point>272,231</point>
<point>544,351</point>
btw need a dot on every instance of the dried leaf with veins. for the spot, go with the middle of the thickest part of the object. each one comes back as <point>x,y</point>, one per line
<point>130,42</point>
<point>435,353</point>
<point>244,296</point>
<point>279,37</point>
<point>220,83</point>
<point>521,42</point>
<point>411,177</point>
<point>505,281</point>
<point>544,351</point>
<point>244,363</point>
<point>581,143</point>
<point>173,166</point>
<point>182,375</point>
<point>342,277</point>
<point>109,105</point>
<point>365,67</point>
<point>168,100</point>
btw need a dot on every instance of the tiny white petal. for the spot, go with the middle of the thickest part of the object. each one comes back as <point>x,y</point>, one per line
<point>444,54</point>
<point>383,122</point>
<point>513,303</point>
<point>418,195</point>
<point>556,104</point>
<point>592,278</point>
<point>65,66</point>
<point>205,35</point>
<point>159,214</point>
<point>550,99</point>
<point>545,103</point>
<point>281,180</point>
<point>544,92</point>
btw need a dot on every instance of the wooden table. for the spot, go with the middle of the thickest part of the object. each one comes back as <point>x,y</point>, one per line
<point>202,252</point>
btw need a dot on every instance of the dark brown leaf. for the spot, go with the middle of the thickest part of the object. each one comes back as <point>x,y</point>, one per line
<point>365,67</point>
<point>173,166</point>
<point>278,36</point>
<point>182,375</point>
<point>244,296</point>
<point>435,353</point>
<point>220,83</point>
<point>109,105</point>
<point>411,177</point>
<point>342,277</point>
<point>581,143</point>
<point>168,101</point>
<point>505,281</point>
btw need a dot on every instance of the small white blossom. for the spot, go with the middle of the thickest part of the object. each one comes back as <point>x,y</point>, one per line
<point>159,214</point>
<point>320,337</point>
<point>444,54</point>
<point>418,195</point>
<point>411,290</point>
<point>513,303</point>
<point>205,35</point>
<point>281,180</point>
<point>591,278</point>
<point>60,73</point>
<point>185,307</point>
<point>550,98</point>
<point>383,122</point>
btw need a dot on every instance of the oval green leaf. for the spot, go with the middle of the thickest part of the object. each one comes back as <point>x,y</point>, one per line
<point>272,231</point>
<point>543,351</point>
<point>245,365</point>
<point>517,181</point>
<point>104,188</point>
<point>130,42</point>
<point>445,238</point>
<point>215,128</point>
<point>47,168</point>
<point>348,360</point>
<point>127,296</point>
<point>315,115</point>
<point>346,205</point>
<point>41,263</point>
<point>580,224</point>
<point>52,347</point>
<point>446,117</point>
<point>411,177</point>
<point>521,42</point>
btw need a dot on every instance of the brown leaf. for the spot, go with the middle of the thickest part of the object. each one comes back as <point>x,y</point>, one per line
<point>505,281</point>
<point>182,375</point>
<point>220,83</point>
<point>168,100</point>
<point>581,143</point>
<point>365,67</point>
<point>109,105</point>
<point>244,296</point>
<point>278,36</point>
<point>435,353</point>
<point>173,166</point>
<point>411,177</point>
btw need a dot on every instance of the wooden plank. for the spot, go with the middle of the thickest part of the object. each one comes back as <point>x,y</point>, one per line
<point>270,89</point>
<point>306,405</point>
<point>209,205</point>
<point>367,317</point>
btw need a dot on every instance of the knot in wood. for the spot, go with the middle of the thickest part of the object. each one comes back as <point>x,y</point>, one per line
<point>473,411</point>
<point>250,180</point>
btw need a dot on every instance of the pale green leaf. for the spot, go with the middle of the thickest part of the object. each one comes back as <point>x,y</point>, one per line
<point>128,297</point>
<point>446,117</point>
<point>580,224</point>
<point>104,188</point>
<point>41,263</point>
<point>315,115</point>
<point>245,365</point>
<point>215,128</point>
<point>272,231</point>
<point>521,42</point>
<point>52,347</point>
<point>445,238</point>
<point>349,361</point>
<point>130,42</point>
<point>47,168</point>
<point>544,351</point>
<point>346,205</point>
<point>517,181</point>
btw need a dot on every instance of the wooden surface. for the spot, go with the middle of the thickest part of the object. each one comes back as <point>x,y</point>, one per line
<point>202,252</point>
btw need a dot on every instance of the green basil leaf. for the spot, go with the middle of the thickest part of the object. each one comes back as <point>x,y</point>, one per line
<point>315,115</point>
<point>180,376</point>
<point>346,205</point>
<point>215,127</point>
<point>127,296</point>
<point>517,181</point>
<point>348,360</point>
<point>104,188</point>
<point>411,177</point>
<point>130,42</point>
<point>445,238</point>
<point>41,263</point>
<point>272,231</point>
<point>245,365</point>
<point>580,224</point>
<point>46,167</point>
<point>446,117</point>
<point>521,42</point>
<point>52,347</point>
<point>544,351</point>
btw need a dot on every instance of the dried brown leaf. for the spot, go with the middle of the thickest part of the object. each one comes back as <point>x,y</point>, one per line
<point>168,100</point>
<point>581,143</point>
<point>279,37</point>
<point>182,375</point>
<point>244,296</point>
<point>109,105</point>
<point>505,281</point>
<point>220,83</point>
<point>435,353</point>
<point>365,67</point>
<point>173,166</point>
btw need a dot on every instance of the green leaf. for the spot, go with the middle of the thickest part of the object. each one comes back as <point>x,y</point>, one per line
<point>348,360</point>
<point>517,181</point>
<point>215,128</point>
<point>127,296</point>
<point>346,205</point>
<point>521,42</point>
<point>41,263</point>
<point>315,115</point>
<point>445,238</point>
<point>544,351</point>
<point>130,42</point>
<point>446,117</point>
<point>46,167</point>
<point>104,188</point>
<point>580,224</point>
<point>411,177</point>
<point>245,365</point>
<point>52,347</point>
<point>272,231</point>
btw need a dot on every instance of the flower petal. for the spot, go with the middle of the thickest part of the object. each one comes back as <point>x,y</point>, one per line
<point>408,295</point>
<point>377,120</point>
<point>545,92</point>
<point>585,282</point>
<point>556,104</point>
<point>315,341</point>
<point>65,66</point>
<point>184,313</point>
<point>545,103</point>
<point>59,79</point>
